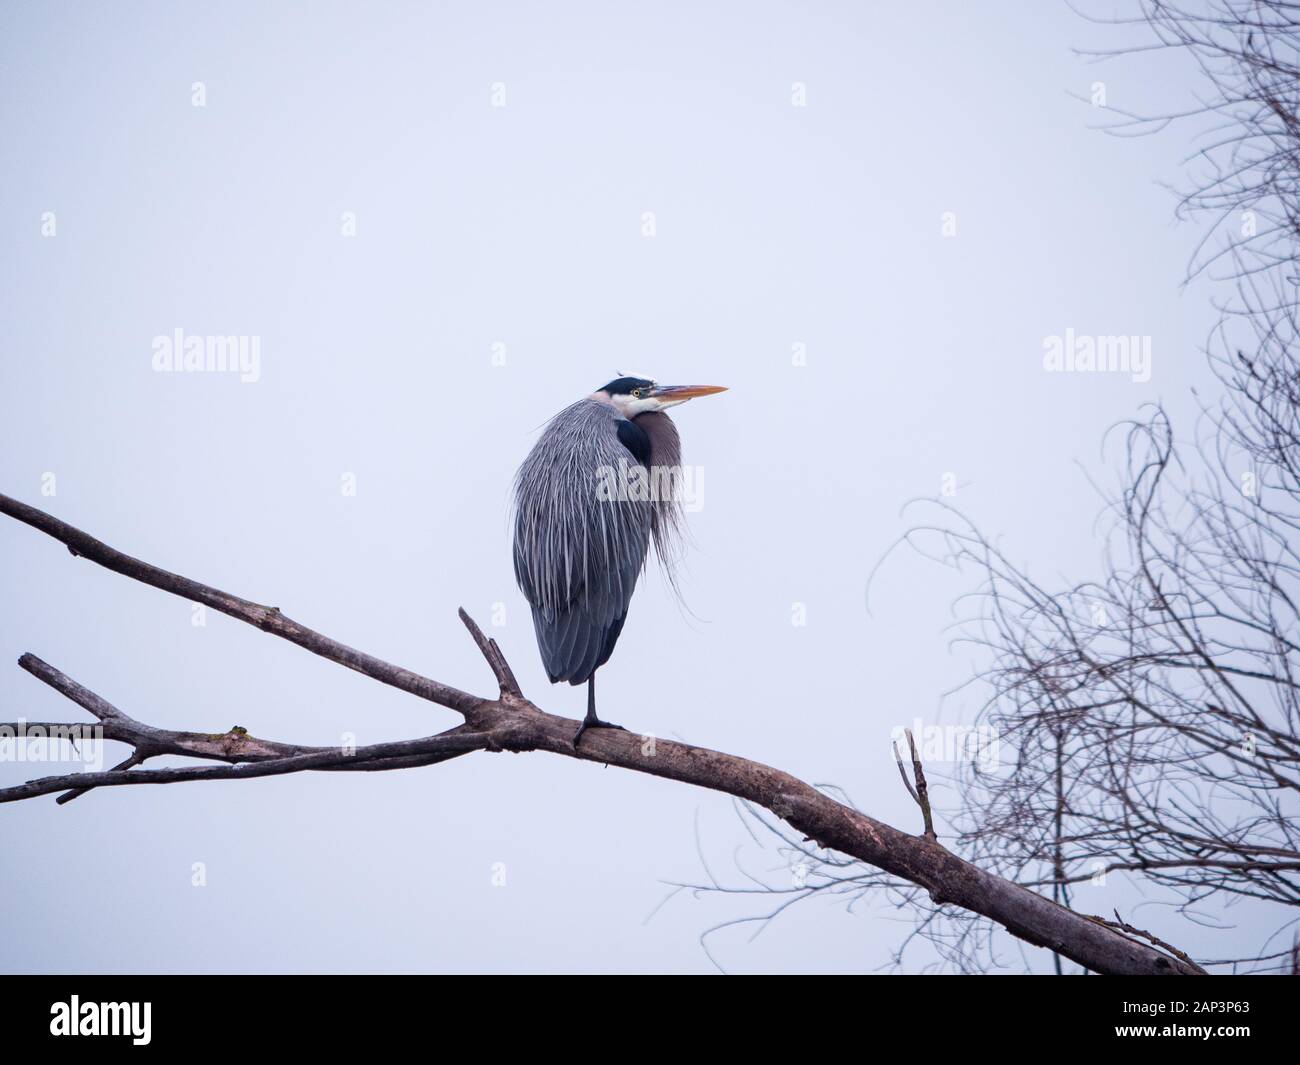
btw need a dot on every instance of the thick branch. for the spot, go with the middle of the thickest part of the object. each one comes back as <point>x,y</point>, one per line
<point>513,723</point>
<point>267,618</point>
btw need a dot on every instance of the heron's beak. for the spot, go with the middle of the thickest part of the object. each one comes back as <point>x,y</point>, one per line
<point>681,393</point>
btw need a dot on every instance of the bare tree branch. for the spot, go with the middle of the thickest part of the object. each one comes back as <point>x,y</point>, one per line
<point>512,723</point>
<point>921,793</point>
<point>267,618</point>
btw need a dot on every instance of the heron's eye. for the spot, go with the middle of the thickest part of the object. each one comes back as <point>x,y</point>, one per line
<point>636,393</point>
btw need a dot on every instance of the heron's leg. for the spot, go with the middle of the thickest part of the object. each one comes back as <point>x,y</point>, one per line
<point>591,720</point>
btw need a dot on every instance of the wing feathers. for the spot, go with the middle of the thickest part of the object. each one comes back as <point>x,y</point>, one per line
<point>578,552</point>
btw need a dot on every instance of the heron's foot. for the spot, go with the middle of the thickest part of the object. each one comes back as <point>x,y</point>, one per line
<point>593,722</point>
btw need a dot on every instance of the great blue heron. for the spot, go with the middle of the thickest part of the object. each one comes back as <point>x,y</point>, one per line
<point>583,525</point>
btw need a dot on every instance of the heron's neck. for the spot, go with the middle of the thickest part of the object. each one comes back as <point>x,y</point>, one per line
<point>665,445</point>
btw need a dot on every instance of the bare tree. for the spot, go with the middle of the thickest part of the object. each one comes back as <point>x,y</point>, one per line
<point>1152,714</point>
<point>509,722</point>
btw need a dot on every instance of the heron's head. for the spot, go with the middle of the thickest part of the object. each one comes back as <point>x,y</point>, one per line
<point>631,396</point>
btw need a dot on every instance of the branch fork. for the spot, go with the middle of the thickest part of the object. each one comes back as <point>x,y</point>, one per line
<point>921,792</point>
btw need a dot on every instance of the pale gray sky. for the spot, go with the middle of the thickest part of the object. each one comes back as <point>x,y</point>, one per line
<point>520,228</point>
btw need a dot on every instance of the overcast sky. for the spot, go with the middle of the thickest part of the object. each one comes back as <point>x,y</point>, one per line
<point>439,224</point>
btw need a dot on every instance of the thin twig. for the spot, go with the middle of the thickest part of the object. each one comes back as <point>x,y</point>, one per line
<point>921,793</point>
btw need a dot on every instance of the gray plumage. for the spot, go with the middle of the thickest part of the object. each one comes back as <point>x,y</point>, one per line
<point>577,556</point>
